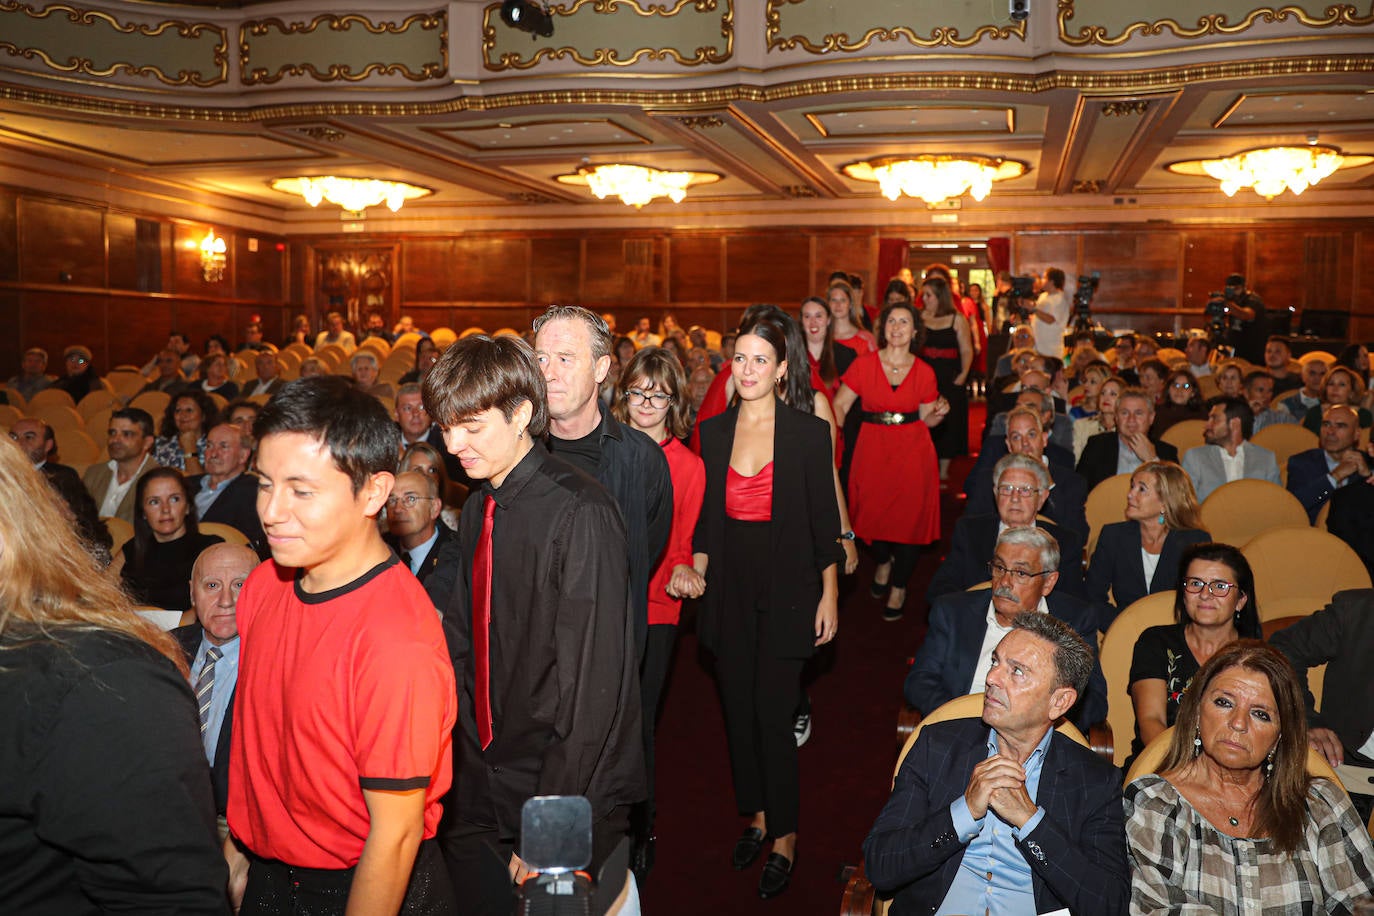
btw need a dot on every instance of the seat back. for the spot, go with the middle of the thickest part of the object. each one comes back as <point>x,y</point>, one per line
<point>969,706</point>
<point>1105,505</point>
<point>1118,648</point>
<point>58,416</point>
<point>155,402</point>
<point>1237,511</point>
<point>1153,755</point>
<point>121,531</point>
<point>1285,440</point>
<point>1185,434</point>
<point>75,446</point>
<point>1300,562</point>
<point>50,396</point>
<point>228,533</point>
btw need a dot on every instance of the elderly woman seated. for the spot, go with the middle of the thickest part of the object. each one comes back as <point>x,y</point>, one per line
<point>1020,485</point>
<point>365,371</point>
<point>1231,822</point>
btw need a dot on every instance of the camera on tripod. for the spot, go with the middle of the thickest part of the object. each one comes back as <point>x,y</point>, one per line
<point>1019,297</point>
<point>1083,300</point>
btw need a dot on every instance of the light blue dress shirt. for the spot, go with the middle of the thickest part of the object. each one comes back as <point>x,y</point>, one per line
<point>994,877</point>
<point>226,676</point>
<point>421,551</point>
<point>207,494</point>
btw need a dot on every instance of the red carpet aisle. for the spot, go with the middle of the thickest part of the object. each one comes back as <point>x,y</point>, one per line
<point>846,767</point>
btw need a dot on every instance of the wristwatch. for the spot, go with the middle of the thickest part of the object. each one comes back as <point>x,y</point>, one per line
<point>846,536</point>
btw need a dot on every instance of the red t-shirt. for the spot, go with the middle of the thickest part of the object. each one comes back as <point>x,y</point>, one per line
<point>689,485</point>
<point>346,690</point>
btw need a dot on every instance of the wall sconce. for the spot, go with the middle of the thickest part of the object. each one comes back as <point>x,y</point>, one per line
<point>212,257</point>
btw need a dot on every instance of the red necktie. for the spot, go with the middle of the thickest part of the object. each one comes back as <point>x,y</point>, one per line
<point>481,620</point>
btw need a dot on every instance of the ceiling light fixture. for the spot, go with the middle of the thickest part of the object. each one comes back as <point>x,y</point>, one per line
<point>528,16</point>
<point>355,194</point>
<point>1272,170</point>
<point>637,185</point>
<point>213,257</point>
<point>935,177</point>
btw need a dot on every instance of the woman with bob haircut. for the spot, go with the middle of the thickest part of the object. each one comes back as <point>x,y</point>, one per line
<point>106,791</point>
<point>767,545</point>
<point>1140,556</point>
<point>1231,822</point>
<point>540,624</point>
<point>1214,605</point>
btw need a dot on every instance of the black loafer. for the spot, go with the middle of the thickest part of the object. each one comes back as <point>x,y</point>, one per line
<point>777,874</point>
<point>747,848</point>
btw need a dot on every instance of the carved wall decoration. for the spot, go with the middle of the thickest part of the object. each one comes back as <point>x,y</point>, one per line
<point>91,43</point>
<point>825,28</point>
<point>1087,186</point>
<point>1110,23</point>
<point>321,133</point>
<point>699,122</point>
<point>330,48</point>
<point>616,33</point>
<point>1123,107</point>
<point>355,281</point>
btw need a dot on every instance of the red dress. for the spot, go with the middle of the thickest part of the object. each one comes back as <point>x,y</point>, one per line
<point>974,316</point>
<point>894,482</point>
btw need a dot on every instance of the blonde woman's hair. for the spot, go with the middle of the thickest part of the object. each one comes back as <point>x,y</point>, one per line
<point>57,586</point>
<point>1175,488</point>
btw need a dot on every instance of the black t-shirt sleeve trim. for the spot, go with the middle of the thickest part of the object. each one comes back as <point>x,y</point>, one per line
<point>393,785</point>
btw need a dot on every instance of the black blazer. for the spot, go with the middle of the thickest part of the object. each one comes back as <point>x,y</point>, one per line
<point>1076,854</point>
<point>1116,565</point>
<point>236,507</point>
<point>971,547</point>
<point>1098,461</point>
<point>1067,499</point>
<point>1307,480</point>
<point>805,526</point>
<point>189,639</point>
<point>432,559</point>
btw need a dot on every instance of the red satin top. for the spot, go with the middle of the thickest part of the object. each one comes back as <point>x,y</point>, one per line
<point>749,499</point>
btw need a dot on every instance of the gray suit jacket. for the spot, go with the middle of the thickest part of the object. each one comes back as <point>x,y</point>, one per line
<point>97,481</point>
<point>1203,464</point>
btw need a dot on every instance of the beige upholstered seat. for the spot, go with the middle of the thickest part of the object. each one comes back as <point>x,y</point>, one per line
<point>1185,434</point>
<point>1105,505</point>
<point>1237,511</point>
<point>1285,440</point>
<point>1302,563</point>
<point>1118,647</point>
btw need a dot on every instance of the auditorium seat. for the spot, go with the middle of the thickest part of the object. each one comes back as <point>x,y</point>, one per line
<point>1118,647</point>
<point>1237,511</point>
<point>1285,440</point>
<point>155,402</point>
<point>50,396</point>
<point>229,533</point>
<point>1105,505</point>
<point>1300,562</point>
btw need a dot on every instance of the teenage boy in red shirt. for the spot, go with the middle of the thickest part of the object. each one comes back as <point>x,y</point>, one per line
<point>342,742</point>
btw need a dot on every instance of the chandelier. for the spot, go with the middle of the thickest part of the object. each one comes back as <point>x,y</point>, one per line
<point>935,177</point>
<point>354,194</point>
<point>636,185</point>
<point>1272,170</point>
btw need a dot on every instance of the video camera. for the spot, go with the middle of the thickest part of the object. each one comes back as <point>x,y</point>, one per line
<point>1220,321</point>
<point>1083,300</point>
<point>556,845</point>
<point>1022,292</point>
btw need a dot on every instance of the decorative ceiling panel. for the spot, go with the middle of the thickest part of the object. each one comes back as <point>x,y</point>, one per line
<point>1110,22</point>
<point>133,145</point>
<point>826,27</point>
<point>350,48</point>
<point>912,121</point>
<point>1298,108</point>
<point>542,135</point>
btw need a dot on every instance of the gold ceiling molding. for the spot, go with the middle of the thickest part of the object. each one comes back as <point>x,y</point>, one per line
<point>282,51</point>
<point>585,40</point>
<point>715,98</point>
<point>940,35</point>
<point>1210,24</point>
<point>1122,107</point>
<point>88,36</point>
<point>699,122</point>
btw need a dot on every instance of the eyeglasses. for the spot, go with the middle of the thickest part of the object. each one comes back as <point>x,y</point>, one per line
<point>409,500</point>
<point>1007,489</point>
<point>1218,587</point>
<point>996,570</point>
<point>1182,385</point>
<point>658,399</point>
<point>79,360</point>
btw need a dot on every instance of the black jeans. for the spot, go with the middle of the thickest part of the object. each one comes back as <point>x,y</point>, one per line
<point>277,889</point>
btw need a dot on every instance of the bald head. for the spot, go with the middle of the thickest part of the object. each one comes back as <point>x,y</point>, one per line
<point>216,577</point>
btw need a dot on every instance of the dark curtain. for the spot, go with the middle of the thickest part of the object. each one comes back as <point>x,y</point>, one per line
<point>999,254</point>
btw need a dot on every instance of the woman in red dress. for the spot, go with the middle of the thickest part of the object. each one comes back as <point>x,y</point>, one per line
<point>820,346</point>
<point>846,327</point>
<point>894,485</point>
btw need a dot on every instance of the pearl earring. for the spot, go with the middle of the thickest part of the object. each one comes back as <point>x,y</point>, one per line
<point>1197,742</point>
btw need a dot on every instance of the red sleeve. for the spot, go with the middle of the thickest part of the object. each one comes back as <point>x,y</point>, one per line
<point>404,706</point>
<point>689,487</point>
<point>926,391</point>
<point>855,375</point>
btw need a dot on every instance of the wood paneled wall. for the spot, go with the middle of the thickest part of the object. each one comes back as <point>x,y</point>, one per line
<point>118,282</point>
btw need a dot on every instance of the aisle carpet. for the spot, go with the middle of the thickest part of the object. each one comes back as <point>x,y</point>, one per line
<point>846,767</point>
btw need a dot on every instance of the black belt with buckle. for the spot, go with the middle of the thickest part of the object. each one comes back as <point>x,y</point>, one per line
<point>889,418</point>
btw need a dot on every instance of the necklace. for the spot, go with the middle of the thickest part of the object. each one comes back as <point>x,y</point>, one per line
<point>1234,822</point>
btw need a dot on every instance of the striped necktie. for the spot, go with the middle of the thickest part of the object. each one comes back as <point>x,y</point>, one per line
<point>205,686</point>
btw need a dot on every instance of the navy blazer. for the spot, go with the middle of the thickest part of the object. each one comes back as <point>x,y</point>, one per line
<point>1077,853</point>
<point>971,547</point>
<point>1098,461</point>
<point>1116,565</point>
<point>804,529</point>
<point>1067,498</point>
<point>435,555</point>
<point>1307,480</point>
<point>948,655</point>
<point>236,507</point>
<point>188,637</point>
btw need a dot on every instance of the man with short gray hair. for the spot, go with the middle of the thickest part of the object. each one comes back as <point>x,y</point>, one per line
<point>32,377</point>
<point>1026,432</point>
<point>1005,814</point>
<point>965,626</point>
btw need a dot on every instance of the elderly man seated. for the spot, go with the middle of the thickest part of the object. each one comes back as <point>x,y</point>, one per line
<point>1027,433</point>
<point>365,371</point>
<point>1005,814</point>
<point>1337,462</point>
<point>33,374</point>
<point>1130,446</point>
<point>965,626</point>
<point>1021,485</point>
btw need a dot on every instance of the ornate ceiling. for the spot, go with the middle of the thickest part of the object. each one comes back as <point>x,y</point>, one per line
<point>193,109</point>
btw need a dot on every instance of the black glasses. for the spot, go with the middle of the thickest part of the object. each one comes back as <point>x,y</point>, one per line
<point>659,399</point>
<point>1218,587</point>
<point>409,500</point>
<point>996,570</point>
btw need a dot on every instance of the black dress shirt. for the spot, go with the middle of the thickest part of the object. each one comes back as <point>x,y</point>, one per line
<point>564,678</point>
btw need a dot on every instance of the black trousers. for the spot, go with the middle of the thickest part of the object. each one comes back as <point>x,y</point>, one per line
<point>653,674</point>
<point>759,689</point>
<point>903,556</point>
<point>277,889</point>
<point>478,861</point>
